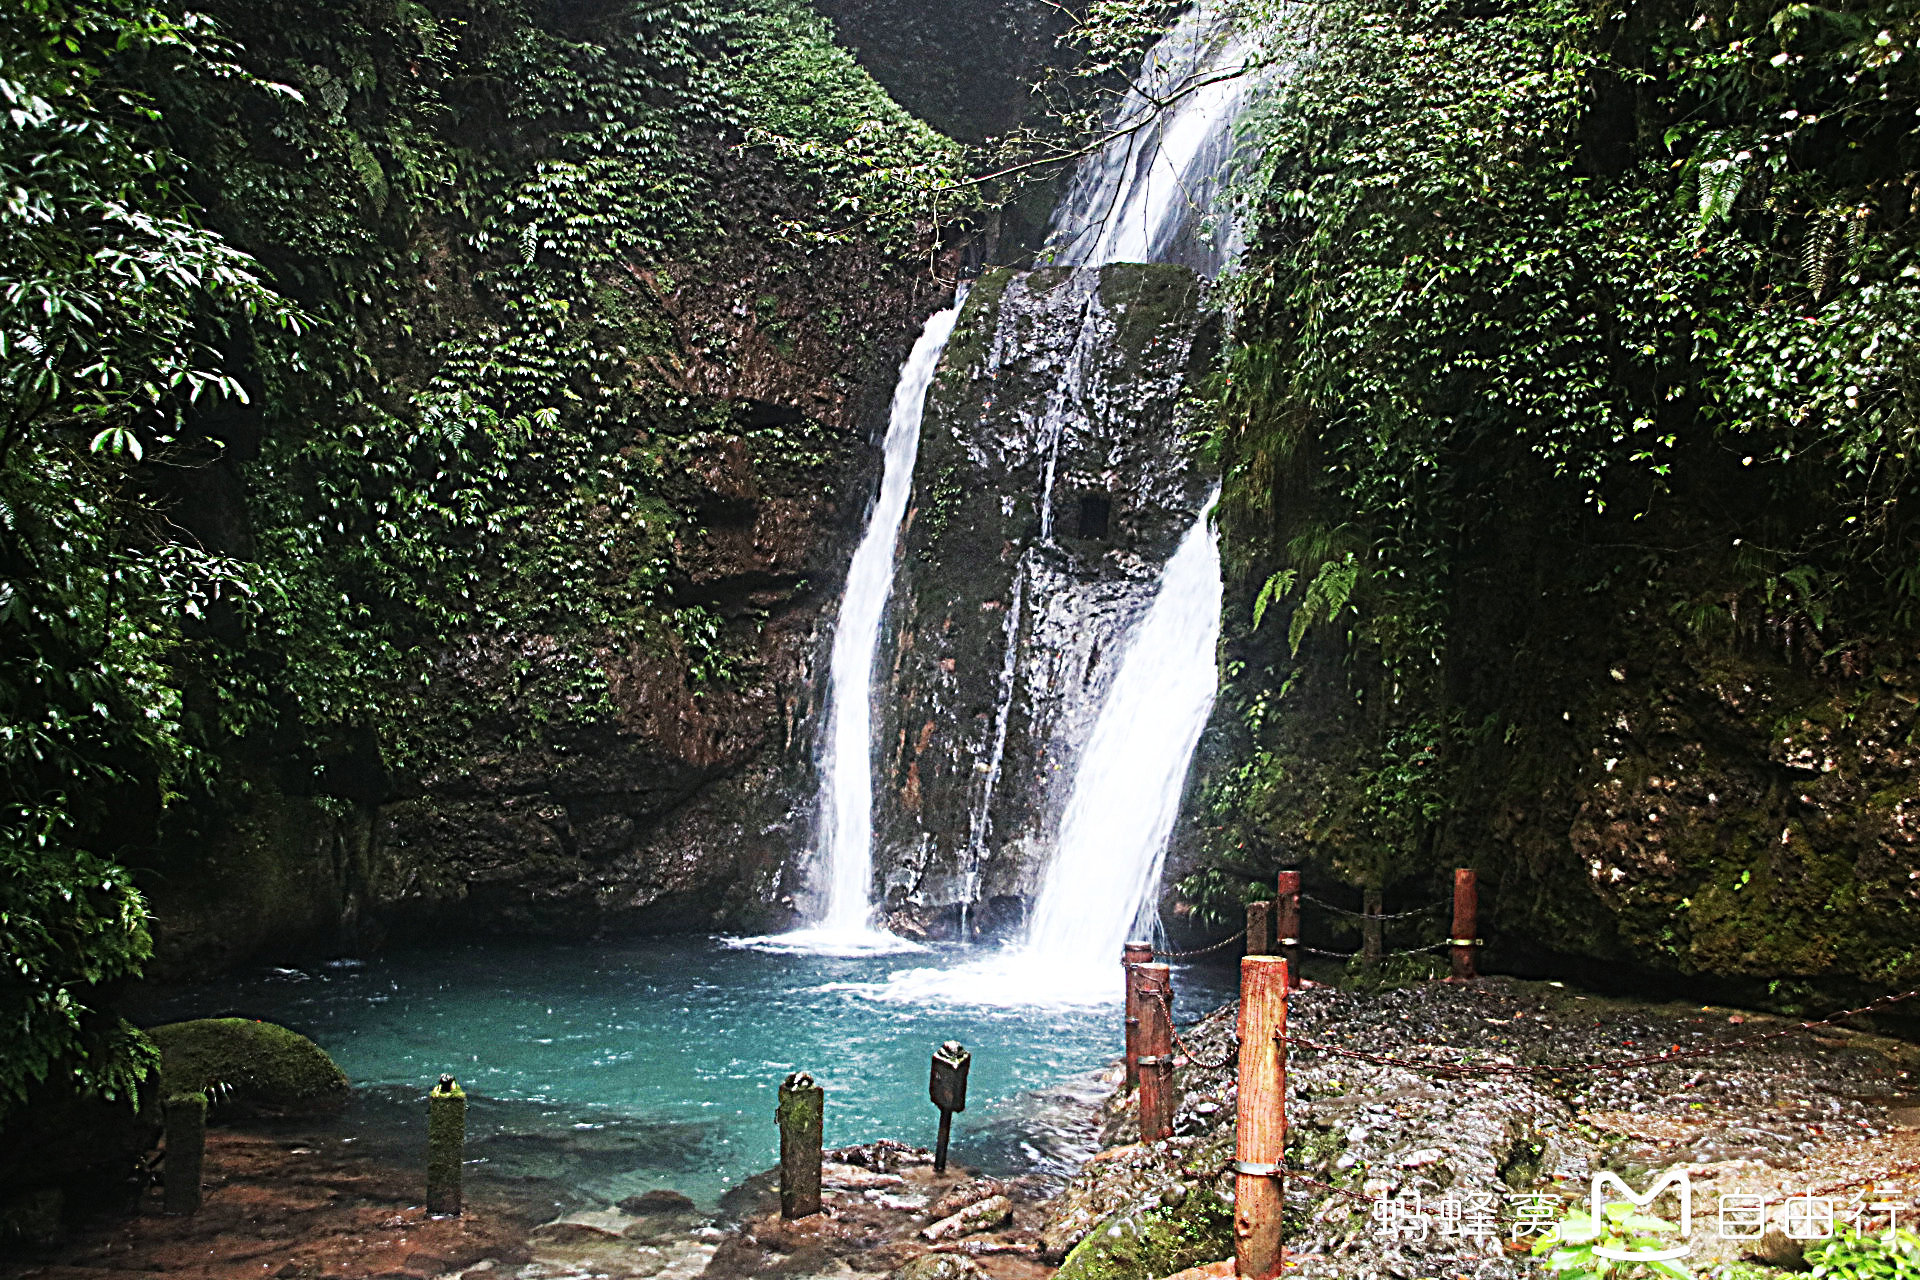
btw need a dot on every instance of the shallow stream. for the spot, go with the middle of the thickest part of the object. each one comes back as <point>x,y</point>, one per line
<point>597,1071</point>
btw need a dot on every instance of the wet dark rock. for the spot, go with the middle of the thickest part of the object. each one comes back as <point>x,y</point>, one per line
<point>965,65</point>
<point>1052,485</point>
<point>659,1200</point>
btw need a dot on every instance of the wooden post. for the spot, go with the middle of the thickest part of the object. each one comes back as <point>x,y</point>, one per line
<point>801,1113</point>
<point>1134,953</point>
<point>1466,923</point>
<point>1286,922</point>
<point>1260,1134</point>
<point>446,1145</point>
<point>1372,943</point>
<point>947,1086</point>
<point>1156,1051</point>
<point>186,1129</point>
<point>1259,929</point>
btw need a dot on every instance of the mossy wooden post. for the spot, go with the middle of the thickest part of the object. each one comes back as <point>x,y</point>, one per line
<point>1466,923</point>
<point>186,1129</point>
<point>1372,943</point>
<point>1260,1131</point>
<point>446,1145</point>
<point>801,1113</point>
<point>1259,929</point>
<point>1286,921</point>
<point>1132,956</point>
<point>1156,1051</point>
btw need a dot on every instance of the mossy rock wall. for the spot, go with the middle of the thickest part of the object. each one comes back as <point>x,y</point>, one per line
<point>1731,809</point>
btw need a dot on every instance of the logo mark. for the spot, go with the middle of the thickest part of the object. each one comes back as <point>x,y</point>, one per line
<point>1676,1180</point>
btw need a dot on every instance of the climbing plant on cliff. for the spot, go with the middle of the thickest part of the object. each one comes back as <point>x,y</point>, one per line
<point>1638,282</point>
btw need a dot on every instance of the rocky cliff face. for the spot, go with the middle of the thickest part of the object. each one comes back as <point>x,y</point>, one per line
<point>1659,779</point>
<point>667,801</point>
<point>1052,484</point>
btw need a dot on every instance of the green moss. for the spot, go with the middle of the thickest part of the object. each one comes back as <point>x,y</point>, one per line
<point>446,1146</point>
<point>1157,1243</point>
<point>249,1066</point>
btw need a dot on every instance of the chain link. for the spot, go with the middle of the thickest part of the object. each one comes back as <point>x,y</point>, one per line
<point>1361,915</point>
<point>1210,947</point>
<point>1233,1042</point>
<point>1384,955</point>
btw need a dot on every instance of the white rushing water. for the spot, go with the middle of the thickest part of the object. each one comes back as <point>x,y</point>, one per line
<point>1154,192</point>
<point>1126,795</point>
<point>1127,789</point>
<point>846,759</point>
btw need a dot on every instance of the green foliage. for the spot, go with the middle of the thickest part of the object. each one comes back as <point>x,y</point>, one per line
<point>1628,301</point>
<point>1856,1255</point>
<point>1218,897</point>
<point>1569,1249</point>
<point>116,310</point>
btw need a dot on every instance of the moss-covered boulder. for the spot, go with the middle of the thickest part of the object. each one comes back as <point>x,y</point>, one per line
<point>1158,1242</point>
<point>249,1067</point>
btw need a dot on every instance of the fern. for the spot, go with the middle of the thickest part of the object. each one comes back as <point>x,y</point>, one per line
<point>1720,184</point>
<point>1326,596</point>
<point>1277,587</point>
<point>1816,253</point>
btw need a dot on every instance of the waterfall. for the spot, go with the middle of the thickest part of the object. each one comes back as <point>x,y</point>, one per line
<point>1153,193</point>
<point>1126,791</point>
<point>846,758</point>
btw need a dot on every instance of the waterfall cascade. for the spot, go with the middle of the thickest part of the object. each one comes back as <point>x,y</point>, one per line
<point>1155,192</point>
<point>846,758</point>
<point>1151,195</point>
<point>1127,788</point>
<point>1117,666</point>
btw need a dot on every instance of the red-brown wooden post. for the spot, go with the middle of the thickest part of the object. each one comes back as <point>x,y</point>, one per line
<point>1286,921</point>
<point>1131,955</point>
<point>1156,1051</point>
<point>1466,923</point>
<point>1259,929</point>
<point>1260,1135</point>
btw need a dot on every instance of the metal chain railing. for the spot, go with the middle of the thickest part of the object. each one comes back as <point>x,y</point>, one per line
<point>1179,1042</point>
<point>1384,955</point>
<point>1206,950</point>
<point>1362,915</point>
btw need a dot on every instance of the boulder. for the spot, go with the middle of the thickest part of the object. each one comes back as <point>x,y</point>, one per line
<point>249,1068</point>
<point>938,1266</point>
